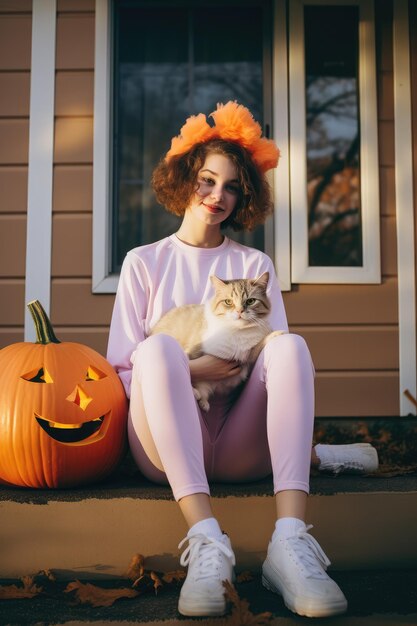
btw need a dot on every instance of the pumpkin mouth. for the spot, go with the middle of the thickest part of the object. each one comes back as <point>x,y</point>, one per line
<point>84,432</point>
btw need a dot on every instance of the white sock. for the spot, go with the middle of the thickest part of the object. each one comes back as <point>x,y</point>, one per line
<point>286,527</point>
<point>209,527</point>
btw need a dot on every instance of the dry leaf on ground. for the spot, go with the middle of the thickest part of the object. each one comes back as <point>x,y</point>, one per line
<point>241,615</point>
<point>175,576</point>
<point>156,581</point>
<point>244,577</point>
<point>146,583</point>
<point>388,471</point>
<point>45,573</point>
<point>136,567</point>
<point>97,596</point>
<point>13,592</point>
<point>149,581</point>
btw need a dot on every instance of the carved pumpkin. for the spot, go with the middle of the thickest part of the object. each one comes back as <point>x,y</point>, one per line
<point>63,411</point>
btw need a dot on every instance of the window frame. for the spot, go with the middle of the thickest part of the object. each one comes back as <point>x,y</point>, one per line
<point>301,271</point>
<point>102,280</point>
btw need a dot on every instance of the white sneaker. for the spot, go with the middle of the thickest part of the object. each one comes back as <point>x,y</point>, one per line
<point>210,561</point>
<point>353,458</point>
<point>295,567</point>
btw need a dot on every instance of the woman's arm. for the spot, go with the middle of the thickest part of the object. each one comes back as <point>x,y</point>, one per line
<point>208,367</point>
<point>277,317</point>
<point>129,312</point>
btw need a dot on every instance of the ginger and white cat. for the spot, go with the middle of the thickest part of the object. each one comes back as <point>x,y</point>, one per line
<point>233,325</point>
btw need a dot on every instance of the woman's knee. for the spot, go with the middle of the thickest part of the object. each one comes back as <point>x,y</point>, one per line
<point>289,342</point>
<point>289,347</point>
<point>159,349</point>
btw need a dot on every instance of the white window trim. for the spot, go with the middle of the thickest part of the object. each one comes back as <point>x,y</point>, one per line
<point>370,272</point>
<point>280,128</point>
<point>40,162</point>
<point>404,206</point>
<point>103,281</point>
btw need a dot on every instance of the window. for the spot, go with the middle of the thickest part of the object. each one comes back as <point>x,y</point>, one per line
<point>334,181</point>
<point>156,62</point>
<point>333,140</point>
<point>170,61</point>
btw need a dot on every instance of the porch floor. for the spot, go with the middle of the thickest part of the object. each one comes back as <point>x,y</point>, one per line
<point>128,484</point>
<point>379,598</point>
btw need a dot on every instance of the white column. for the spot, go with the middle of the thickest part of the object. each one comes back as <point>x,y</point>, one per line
<point>103,281</point>
<point>41,149</point>
<point>280,126</point>
<point>404,206</point>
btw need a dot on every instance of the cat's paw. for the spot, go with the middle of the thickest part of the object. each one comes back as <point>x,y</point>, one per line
<point>197,394</point>
<point>205,406</point>
<point>202,401</point>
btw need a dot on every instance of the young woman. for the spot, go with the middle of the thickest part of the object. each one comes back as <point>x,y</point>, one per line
<point>214,176</point>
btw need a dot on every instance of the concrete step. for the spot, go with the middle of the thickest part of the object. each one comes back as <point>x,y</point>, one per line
<point>361,523</point>
<point>376,598</point>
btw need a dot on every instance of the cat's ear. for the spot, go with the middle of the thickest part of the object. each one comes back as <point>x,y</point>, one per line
<point>262,280</point>
<point>217,282</point>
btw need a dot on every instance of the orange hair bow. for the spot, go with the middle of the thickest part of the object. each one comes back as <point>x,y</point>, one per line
<point>232,122</point>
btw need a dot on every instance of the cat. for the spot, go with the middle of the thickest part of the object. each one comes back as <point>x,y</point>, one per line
<point>233,325</point>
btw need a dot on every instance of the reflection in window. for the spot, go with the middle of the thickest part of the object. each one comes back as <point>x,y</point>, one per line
<point>333,137</point>
<point>171,61</point>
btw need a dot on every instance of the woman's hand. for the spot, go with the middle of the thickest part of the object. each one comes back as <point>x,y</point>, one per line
<point>208,367</point>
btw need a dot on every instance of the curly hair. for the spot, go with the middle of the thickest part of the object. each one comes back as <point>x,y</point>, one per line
<point>175,182</point>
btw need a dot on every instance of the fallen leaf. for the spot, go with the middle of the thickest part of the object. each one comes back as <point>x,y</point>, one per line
<point>136,567</point>
<point>175,576</point>
<point>47,574</point>
<point>241,615</point>
<point>144,583</point>
<point>156,581</point>
<point>12,592</point>
<point>244,577</point>
<point>410,396</point>
<point>97,596</point>
<point>230,592</point>
<point>388,471</point>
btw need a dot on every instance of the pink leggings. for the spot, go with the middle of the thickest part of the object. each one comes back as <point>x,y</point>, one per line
<point>268,427</point>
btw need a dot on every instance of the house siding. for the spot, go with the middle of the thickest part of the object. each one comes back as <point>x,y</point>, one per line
<point>15,57</point>
<point>76,313</point>
<point>352,330</point>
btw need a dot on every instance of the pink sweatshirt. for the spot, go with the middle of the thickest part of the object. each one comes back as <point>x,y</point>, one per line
<point>169,273</point>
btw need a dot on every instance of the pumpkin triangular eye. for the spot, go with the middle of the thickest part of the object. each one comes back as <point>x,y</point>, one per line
<point>38,376</point>
<point>93,373</point>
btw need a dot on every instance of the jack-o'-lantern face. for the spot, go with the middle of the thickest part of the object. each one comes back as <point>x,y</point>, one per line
<point>63,412</point>
<point>84,431</point>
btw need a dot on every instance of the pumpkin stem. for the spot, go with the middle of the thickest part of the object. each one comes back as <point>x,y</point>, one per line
<point>44,331</point>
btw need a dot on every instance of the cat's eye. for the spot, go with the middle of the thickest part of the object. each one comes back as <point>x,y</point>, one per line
<point>251,301</point>
<point>228,302</point>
